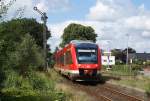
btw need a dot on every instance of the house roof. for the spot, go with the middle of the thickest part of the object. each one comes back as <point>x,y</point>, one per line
<point>143,56</point>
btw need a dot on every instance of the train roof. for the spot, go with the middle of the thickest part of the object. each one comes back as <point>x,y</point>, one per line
<point>84,43</point>
<point>81,41</point>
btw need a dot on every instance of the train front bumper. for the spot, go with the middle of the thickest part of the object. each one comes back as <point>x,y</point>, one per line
<point>76,75</point>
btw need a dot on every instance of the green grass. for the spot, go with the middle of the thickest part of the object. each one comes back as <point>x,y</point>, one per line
<point>138,82</point>
<point>122,70</point>
<point>129,76</point>
<point>37,86</point>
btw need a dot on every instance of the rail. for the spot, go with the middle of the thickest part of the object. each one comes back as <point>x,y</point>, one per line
<point>129,97</point>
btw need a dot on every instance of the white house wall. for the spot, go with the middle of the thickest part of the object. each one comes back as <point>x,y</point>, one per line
<point>108,60</point>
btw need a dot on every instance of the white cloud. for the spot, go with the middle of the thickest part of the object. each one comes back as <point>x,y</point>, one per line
<point>115,33</point>
<point>146,34</point>
<point>42,6</point>
<point>56,31</point>
<point>138,22</point>
<point>48,6</point>
<point>99,27</point>
<point>25,5</point>
<point>102,12</point>
<point>112,20</point>
<point>110,10</point>
<point>53,5</point>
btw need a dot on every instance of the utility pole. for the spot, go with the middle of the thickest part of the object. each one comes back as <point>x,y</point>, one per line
<point>44,19</point>
<point>127,58</point>
<point>109,52</point>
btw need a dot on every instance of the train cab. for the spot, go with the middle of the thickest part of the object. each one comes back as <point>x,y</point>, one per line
<point>79,60</point>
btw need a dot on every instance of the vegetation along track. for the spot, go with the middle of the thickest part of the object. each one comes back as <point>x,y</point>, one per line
<point>103,92</point>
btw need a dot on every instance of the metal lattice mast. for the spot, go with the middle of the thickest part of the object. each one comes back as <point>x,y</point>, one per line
<point>44,19</point>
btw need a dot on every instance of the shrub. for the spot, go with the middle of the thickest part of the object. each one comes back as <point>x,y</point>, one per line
<point>27,56</point>
<point>40,82</point>
<point>148,62</point>
<point>136,67</point>
<point>118,62</point>
<point>36,86</point>
<point>16,85</point>
<point>138,61</point>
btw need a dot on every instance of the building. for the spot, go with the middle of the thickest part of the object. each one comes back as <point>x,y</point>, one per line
<point>107,59</point>
<point>139,56</point>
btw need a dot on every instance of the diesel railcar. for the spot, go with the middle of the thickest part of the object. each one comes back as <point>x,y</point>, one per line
<point>79,60</point>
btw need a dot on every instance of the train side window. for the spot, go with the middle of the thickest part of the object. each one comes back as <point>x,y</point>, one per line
<point>65,59</point>
<point>68,58</point>
<point>59,60</point>
<point>62,59</point>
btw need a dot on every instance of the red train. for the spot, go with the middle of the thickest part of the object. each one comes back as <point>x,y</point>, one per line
<point>79,60</point>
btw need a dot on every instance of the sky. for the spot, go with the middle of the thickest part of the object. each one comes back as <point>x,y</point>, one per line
<point>118,23</point>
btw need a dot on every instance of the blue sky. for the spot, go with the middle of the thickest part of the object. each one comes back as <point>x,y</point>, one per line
<point>77,11</point>
<point>79,8</point>
<point>111,20</point>
<point>145,2</point>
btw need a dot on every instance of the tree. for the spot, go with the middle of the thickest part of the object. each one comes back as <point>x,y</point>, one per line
<point>27,56</point>
<point>14,29</point>
<point>77,32</point>
<point>118,53</point>
<point>130,50</point>
<point>121,54</point>
<point>4,8</point>
<point>12,33</point>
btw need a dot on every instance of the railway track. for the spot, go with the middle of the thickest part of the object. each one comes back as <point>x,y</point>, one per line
<point>117,95</point>
<point>92,92</point>
<point>104,92</point>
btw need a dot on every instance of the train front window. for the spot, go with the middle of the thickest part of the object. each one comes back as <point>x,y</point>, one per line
<point>87,56</point>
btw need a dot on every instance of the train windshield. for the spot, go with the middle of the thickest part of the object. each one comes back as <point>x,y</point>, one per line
<point>87,56</point>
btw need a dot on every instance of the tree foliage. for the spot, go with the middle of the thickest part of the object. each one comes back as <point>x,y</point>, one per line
<point>20,55</point>
<point>130,50</point>
<point>12,34</point>
<point>118,53</point>
<point>122,54</point>
<point>77,32</point>
<point>27,56</point>
<point>14,29</point>
<point>5,5</point>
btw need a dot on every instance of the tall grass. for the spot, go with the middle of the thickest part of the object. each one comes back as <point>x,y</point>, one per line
<point>124,70</point>
<point>36,86</point>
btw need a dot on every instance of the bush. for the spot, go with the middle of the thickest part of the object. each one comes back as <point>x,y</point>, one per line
<point>40,82</point>
<point>118,62</point>
<point>16,85</point>
<point>138,61</point>
<point>148,62</point>
<point>123,70</point>
<point>136,67</point>
<point>27,56</point>
<point>36,86</point>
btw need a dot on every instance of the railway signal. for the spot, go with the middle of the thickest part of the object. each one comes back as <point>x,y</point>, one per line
<point>44,19</point>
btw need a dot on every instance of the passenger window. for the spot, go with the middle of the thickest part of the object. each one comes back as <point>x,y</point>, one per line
<point>68,57</point>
